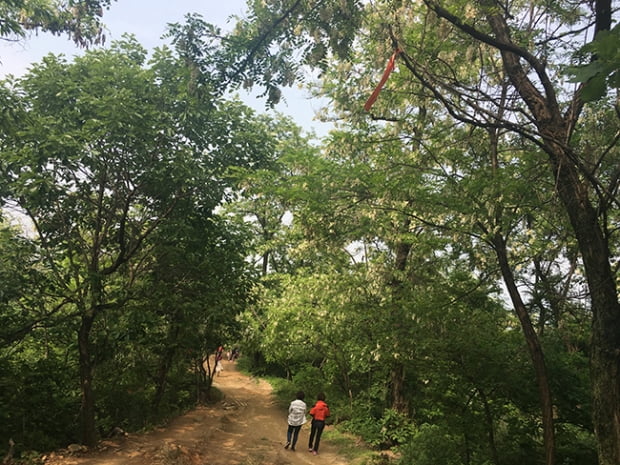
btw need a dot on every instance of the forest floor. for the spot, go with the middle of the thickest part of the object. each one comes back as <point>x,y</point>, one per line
<point>246,428</point>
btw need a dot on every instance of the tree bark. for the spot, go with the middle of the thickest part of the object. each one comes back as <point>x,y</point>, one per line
<point>398,399</point>
<point>397,389</point>
<point>165,363</point>
<point>490,425</point>
<point>534,347</point>
<point>88,431</point>
<point>605,346</point>
<point>166,359</point>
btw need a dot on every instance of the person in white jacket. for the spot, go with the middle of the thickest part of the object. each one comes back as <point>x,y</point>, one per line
<point>296,418</point>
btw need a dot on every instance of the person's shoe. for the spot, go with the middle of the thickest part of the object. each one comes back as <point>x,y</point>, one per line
<point>310,450</point>
<point>315,452</point>
<point>293,449</point>
<point>286,445</point>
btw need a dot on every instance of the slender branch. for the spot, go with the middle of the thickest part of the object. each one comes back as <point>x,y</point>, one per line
<point>263,37</point>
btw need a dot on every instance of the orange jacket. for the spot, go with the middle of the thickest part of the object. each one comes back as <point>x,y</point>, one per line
<point>320,411</point>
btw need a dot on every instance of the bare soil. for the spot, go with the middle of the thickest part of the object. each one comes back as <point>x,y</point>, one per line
<point>245,428</point>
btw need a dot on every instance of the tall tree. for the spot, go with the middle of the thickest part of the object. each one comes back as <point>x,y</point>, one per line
<point>553,128</point>
<point>86,172</point>
<point>260,201</point>
<point>105,150</point>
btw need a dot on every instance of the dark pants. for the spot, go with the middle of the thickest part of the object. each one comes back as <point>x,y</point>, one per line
<point>294,432</point>
<point>315,434</point>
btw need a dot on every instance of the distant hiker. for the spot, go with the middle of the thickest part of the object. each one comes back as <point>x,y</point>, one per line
<point>319,413</point>
<point>219,354</point>
<point>219,367</point>
<point>296,418</point>
<point>234,355</point>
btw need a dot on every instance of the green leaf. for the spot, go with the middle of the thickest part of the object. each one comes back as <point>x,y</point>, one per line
<point>595,88</point>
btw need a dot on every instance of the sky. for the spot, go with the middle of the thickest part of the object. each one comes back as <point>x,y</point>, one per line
<point>147,20</point>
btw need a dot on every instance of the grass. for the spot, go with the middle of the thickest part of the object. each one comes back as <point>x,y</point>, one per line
<point>354,449</point>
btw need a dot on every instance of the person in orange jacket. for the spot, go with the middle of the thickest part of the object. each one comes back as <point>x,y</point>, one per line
<point>319,413</point>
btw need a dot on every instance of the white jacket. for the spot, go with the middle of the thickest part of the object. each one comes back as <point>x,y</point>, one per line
<point>297,413</point>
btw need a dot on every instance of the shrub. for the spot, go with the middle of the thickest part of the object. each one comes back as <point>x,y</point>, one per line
<point>391,429</point>
<point>431,445</point>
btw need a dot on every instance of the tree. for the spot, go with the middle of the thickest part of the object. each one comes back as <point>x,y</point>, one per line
<point>79,174</point>
<point>575,185</point>
<point>105,150</point>
<point>260,201</point>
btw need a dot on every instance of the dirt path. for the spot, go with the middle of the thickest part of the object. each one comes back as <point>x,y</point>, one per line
<point>246,428</point>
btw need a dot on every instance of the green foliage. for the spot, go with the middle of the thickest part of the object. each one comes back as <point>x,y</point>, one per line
<point>432,444</point>
<point>390,429</point>
<point>311,381</point>
<point>464,364</point>
<point>396,428</point>
<point>80,20</point>
<point>576,445</point>
<point>126,404</point>
<point>603,72</point>
<point>519,438</point>
<point>400,224</point>
<point>23,284</point>
<point>364,426</point>
<point>260,52</point>
<point>381,287</point>
<point>39,395</point>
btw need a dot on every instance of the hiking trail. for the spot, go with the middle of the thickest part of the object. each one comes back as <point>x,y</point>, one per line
<point>245,428</point>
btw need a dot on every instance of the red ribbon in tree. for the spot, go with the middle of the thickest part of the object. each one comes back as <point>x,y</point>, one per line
<point>386,74</point>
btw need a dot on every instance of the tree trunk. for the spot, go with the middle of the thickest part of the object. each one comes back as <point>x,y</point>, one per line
<point>397,389</point>
<point>88,430</point>
<point>398,400</point>
<point>605,347</point>
<point>534,347</point>
<point>490,426</point>
<point>162,377</point>
<point>165,361</point>
<point>555,131</point>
